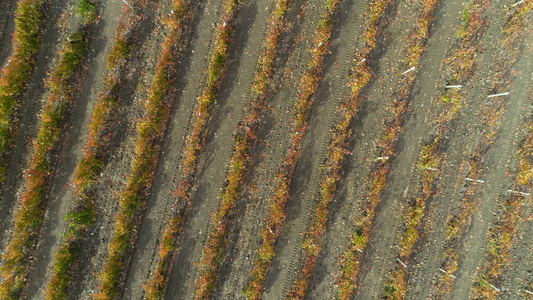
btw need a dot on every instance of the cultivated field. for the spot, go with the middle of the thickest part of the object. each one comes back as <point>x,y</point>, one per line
<point>266,149</point>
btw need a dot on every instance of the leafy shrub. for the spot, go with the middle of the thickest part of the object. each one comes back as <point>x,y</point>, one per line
<point>87,12</point>
<point>119,51</point>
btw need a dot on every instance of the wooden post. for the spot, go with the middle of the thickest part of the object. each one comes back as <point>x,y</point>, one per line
<point>401,262</point>
<point>517,192</point>
<point>412,69</point>
<point>497,95</point>
<point>517,3</point>
<point>497,289</point>
<point>127,4</point>
<point>476,180</point>
<point>442,270</point>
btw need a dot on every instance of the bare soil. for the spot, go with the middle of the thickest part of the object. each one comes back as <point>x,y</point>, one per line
<point>7,26</point>
<point>233,100</point>
<point>233,96</point>
<point>381,257</point>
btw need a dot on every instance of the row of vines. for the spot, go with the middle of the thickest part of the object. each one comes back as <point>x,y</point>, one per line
<point>503,231</point>
<point>64,82</point>
<point>431,160</point>
<point>61,85</point>
<point>193,147</point>
<point>82,214</point>
<point>16,73</point>
<point>150,130</point>
<point>458,223</point>
<point>238,162</point>
<point>376,180</point>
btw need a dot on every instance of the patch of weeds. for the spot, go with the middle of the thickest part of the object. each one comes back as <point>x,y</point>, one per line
<point>389,291</point>
<point>466,14</point>
<point>492,247</point>
<point>87,12</point>
<point>119,51</point>
<point>426,157</point>
<point>482,282</point>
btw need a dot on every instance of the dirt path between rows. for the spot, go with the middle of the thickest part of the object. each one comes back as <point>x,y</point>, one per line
<point>121,128</point>
<point>305,174</point>
<point>251,209</point>
<point>75,132</point>
<point>27,118</point>
<point>380,258</point>
<point>365,127</point>
<point>428,257</point>
<point>232,97</point>
<point>322,283</point>
<point>331,91</point>
<point>7,27</point>
<point>191,71</point>
<point>519,274</point>
<point>160,198</point>
<point>498,159</point>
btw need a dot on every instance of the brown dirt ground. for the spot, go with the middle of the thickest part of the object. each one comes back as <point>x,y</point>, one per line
<point>428,260</point>
<point>7,26</point>
<point>233,98</point>
<point>381,257</point>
